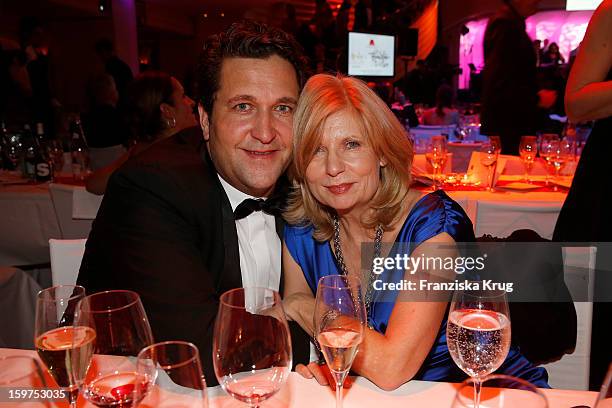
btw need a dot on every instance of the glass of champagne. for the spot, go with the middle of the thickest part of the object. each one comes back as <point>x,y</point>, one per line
<point>56,338</point>
<point>528,149</point>
<point>604,399</point>
<point>340,319</point>
<point>478,333</point>
<point>501,391</point>
<point>122,330</point>
<point>176,371</point>
<point>252,354</point>
<point>436,155</point>
<point>489,152</point>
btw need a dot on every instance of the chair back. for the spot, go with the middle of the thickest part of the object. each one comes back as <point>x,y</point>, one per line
<point>572,371</point>
<point>63,197</point>
<point>66,256</point>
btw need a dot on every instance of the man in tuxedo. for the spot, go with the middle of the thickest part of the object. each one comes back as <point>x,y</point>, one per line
<point>173,226</point>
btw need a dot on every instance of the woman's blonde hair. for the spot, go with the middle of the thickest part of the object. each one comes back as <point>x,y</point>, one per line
<point>323,96</point>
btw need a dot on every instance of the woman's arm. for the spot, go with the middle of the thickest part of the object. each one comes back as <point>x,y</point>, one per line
<point>588,95</point>
<point>394,358</point>
<point>298,300</point>
<point>97,181</point>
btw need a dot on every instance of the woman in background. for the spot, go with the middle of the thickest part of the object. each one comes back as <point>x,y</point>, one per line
<point>443,114</point>
<point>586,214</point>
<point>157,108</point>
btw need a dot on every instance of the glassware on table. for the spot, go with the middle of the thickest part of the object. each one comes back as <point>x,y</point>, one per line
<point>56,338</point>
<point>122,330</point>
<point>528,149</point>
<point>252,354</point>
<point>501,391</point>
<point>489,152</point>
<point>56,155</point>
<point>20,371</point>
<point>604,399</point>
<point>478,333</point>
<point>176,372</point>
<point>557,154</point>
<point>436,155</point>
<point>340,319</point>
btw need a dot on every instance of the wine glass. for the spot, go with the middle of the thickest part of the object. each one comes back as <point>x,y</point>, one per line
<point>56,155</point>
<point>339,318</point>
<point>252,354</point>
<point>175,369</point>
<point>56,338</point>
<point>496,141</point>
<point>528,149</point>
<point>557,154</point>
<point>436,155</point>
<point>489,153</point>
<point>478,332</point>
<point>501,391</point>
<point>122,330</point>
<point>604,399</point>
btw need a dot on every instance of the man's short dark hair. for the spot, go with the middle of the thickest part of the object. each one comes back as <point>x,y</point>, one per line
<point>244,39</point>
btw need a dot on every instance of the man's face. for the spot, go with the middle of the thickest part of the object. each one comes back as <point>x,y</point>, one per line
<point>250,133</point>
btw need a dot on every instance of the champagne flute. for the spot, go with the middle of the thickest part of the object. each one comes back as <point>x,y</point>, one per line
<point>528,150</point>
<point>56,338</point>
<point>252,354</point>
<point>176,371</point>
<point>122,329</point>
<point>339,319</point>
<point>604,399</point>
<point>478,333</point>
<point>436,155</point>
<point>489,153</point>
<point>56,154</point>
<point>501,391</point>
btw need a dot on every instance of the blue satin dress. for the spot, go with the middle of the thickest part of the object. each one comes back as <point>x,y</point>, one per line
<point>433,214</point>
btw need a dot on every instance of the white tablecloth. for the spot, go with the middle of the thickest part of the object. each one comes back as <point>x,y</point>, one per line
<point>300,392</point>
<point>29,217</point>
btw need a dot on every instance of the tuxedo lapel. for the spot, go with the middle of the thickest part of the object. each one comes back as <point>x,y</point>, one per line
<point>230,277</point>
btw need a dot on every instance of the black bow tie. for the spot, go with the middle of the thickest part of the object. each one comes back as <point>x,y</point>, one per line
<point>250,205</point>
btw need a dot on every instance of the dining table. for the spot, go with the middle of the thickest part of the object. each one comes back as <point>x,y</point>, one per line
<point>300,392</point>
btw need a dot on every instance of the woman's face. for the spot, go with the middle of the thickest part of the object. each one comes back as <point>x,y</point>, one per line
<point>182,107</point>
<point>344,171</point>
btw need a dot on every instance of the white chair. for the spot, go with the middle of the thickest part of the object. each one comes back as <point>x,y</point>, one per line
<point>500,219</point>
<point>62,196</point>
<point>66,256</point>
<point>572,371</point>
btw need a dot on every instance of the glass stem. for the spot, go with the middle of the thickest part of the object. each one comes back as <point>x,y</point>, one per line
<point>489,179</point>
<point>477,385</point>
<point>338,395</point>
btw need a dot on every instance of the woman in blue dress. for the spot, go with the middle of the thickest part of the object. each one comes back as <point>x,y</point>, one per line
<point>351,172</point>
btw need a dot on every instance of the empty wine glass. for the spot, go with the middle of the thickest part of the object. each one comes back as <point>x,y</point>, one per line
<point>604,399</point>
<point>56,338</point>
<point>252,354</point>
<point>528,149</point>
<point>175,369</point>
<point>436,155</point>
<point>121,331</point>
<point>339,318</point>
<point>489,153</point>
<point>56,155</point>
<point>501,391</point>
<point>557,154</point>
<point>478,333</point>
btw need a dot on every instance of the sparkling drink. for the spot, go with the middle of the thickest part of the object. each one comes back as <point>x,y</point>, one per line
<point>339,346</point>
<point>478,340</point>
<point>62,347</point>
<point>119,389</point>
<point>436,160</point>
<point>254,388</point>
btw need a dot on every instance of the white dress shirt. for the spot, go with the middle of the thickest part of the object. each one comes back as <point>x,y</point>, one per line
<point>258,244</point>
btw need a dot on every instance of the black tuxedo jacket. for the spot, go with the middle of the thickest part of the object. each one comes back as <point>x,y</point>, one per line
<point>166,230</point>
